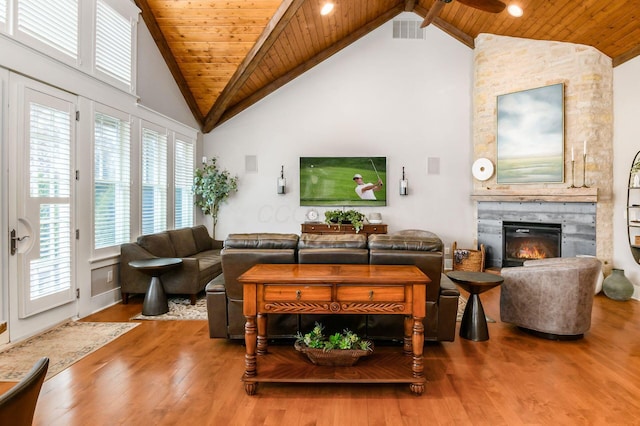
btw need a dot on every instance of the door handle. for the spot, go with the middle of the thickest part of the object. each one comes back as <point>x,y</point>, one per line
<point>15,240</point>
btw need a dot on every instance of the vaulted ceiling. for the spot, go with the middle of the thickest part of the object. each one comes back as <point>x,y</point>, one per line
<point>225,55</point>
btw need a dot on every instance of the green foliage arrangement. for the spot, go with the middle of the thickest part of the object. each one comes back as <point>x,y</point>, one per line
<point>212,186</point>
<point>345,340</point>
<point>353,217</point>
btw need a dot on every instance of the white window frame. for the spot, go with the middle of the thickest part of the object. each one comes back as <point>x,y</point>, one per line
<point>86,39</point>
<point>127,13</point>
<point>124,117</point>
<point>42,46</point>
<point>4,9</point>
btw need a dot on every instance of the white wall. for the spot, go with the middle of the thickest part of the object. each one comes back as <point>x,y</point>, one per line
<point>626,143</point>
<point>156,86</point>
<point>407,100</point>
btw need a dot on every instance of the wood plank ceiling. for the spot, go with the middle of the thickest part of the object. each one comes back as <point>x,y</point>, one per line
<point>227,55</point>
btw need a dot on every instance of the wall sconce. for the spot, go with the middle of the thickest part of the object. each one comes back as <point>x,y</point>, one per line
<point>404,184</point>
<point>282,182</point>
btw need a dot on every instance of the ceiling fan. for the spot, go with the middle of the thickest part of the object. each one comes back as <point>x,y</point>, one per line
<point>492,6</point>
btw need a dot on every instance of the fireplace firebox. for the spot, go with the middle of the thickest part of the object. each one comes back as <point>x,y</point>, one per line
<point>525,240</point>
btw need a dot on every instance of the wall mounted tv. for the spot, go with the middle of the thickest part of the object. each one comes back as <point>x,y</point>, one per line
<point>333,181</point>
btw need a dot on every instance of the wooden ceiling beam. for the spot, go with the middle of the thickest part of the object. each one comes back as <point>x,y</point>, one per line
<point>454,32</point>
<point>627,56</point>
<point>170,60</point>
<point>272,31</point>
<point>317,59</point>
<point>409,5</point>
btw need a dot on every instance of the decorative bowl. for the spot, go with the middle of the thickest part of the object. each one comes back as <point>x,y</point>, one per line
<point>332,357</point>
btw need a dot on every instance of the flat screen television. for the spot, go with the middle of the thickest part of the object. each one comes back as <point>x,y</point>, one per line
<point>343,181</point>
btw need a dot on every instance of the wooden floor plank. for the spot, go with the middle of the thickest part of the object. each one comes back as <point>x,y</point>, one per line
<point>171,372</point>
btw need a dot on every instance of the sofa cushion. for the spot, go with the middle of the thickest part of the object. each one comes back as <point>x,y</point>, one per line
<point>320,241</point>
<point>414,241</point>
<point>183,242</point>
<point>202,238</point>
<point>262,241</point>
<point>157,244</point>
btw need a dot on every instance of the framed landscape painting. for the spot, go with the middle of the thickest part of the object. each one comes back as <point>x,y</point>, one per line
<point>531,136</point>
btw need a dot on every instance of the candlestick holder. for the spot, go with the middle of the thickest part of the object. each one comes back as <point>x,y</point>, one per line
<point>573,175</point>
<point>584,168</point>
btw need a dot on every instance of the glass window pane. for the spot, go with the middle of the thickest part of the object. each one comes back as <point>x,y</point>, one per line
<point>183,183</point>
<point>111,181</point>
<point>154,181</point>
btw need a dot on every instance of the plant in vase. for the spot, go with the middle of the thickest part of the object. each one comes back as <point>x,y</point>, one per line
<point>340,217</point>
<point>212,186</point>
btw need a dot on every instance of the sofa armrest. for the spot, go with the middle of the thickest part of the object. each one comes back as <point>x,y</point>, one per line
<point>132,280</point>
<point>217,307</point>
<point>183,279</point>
<point>448,287</point>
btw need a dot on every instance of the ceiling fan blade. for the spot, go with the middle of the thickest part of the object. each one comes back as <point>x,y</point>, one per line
<point>433,12</point>
<point>492,6</point>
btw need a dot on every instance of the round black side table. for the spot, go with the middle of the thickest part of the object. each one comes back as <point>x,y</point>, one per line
<point>474,322</point>
<point>155,300</point>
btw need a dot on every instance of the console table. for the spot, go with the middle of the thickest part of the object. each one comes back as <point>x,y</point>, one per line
<point>323,228</point>
<point>334,289</point>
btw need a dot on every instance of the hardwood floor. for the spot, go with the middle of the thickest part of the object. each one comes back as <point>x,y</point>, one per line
<point>170,372</point>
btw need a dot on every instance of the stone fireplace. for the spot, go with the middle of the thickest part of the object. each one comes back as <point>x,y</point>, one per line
<point>508,64</point>
<point>564,229</point>
<point>525,241</point>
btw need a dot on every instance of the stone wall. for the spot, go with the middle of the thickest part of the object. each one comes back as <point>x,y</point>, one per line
<point>506,65</point>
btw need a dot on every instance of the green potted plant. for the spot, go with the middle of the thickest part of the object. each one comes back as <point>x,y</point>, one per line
<point>338,349</point>
<point>212,186</point>
<point>340,217</point>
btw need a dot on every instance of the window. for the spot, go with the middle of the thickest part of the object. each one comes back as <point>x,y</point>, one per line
<point>113,43</point>
<point>50,194</point>
<point>52,22</point>
<point>154,181</point>
<point>3,14</point>
<point>111,180</point>
<point>183,180</point>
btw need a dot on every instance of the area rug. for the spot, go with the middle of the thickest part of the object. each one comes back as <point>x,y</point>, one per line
<point>64,345</point>
<point>180,308</point>
<point>462,303</point>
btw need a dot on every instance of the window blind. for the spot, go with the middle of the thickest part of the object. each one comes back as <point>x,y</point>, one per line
<point>154,181</point>
<point>3,14</point>
<point>111,180</point>
<point>53,22</point>
<point>113,43</point>
<point>183,181</point>
<point>50,181</point>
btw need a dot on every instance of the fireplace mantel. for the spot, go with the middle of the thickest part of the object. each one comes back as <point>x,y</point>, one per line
<point>562,195</point>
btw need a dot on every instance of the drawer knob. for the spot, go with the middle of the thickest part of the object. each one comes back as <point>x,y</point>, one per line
<point>298,294</point>
<point>370,294</point>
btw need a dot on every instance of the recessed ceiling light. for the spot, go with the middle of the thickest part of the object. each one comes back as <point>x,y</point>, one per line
<point>326,9</point>
<point>515,10</point>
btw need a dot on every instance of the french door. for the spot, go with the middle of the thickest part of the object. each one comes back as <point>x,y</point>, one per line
<point>41,222</point>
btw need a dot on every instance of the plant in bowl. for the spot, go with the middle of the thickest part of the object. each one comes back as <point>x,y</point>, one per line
<point>340,217</point>
<point>338,349</point>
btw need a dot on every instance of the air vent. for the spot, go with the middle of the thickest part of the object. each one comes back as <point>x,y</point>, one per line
<point>408,29</point>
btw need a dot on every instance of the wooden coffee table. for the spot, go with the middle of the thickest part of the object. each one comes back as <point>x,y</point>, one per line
<point>474,322</point>
<point>334,289</point>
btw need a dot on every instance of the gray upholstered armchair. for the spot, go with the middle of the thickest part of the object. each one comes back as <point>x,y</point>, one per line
<point>551,298</point>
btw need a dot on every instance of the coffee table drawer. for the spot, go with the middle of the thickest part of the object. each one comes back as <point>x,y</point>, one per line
<point>282,293</point>
<point>371,294</point>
